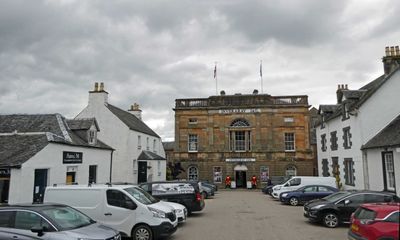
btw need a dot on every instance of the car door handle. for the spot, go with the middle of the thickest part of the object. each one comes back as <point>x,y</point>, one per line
<point>108,214</point>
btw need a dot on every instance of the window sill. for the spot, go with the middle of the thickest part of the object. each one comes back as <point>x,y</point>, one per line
<point>290,150</point>
<point>193,151</point>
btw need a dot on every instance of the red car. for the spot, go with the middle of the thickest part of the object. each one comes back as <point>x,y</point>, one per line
<point>375,221</point>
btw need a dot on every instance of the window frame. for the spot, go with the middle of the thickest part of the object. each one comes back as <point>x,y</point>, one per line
<point>386,177</point>
<point>193,143</point>
<point>323,142</point>
<point>190,174</point>
<point>349,171</point>
<point>92,137</point>
<point>334,141</point>
<point>347,138</point>
<point>290,142</point>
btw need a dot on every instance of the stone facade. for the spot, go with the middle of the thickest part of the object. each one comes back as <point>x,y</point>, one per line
<point>243,134</point>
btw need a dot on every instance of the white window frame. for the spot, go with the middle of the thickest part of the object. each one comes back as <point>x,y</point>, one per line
<point>389,171</point>
<point>290,141</point>
<point>193,143</point>
<point>291,169</point>
<point>154,145</point>
<point>92,137</point>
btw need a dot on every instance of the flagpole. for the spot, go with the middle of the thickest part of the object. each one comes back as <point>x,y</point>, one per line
<point>216,79</point>
<point>261,78</point>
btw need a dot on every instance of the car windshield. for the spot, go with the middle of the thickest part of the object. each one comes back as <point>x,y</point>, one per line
<point>67,218</point>
<point>336,196</point>
<point>141,195</point>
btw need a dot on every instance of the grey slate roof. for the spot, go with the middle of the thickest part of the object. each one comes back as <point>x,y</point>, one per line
<point>82,124</point>
<point>388,137</point>
<point>17,149</point>
<point>131,121</point>
<point>168,145</point>
<point>147,155</point>
<point>357,97</point>
<point>30,123</point>
<point>23,135</point>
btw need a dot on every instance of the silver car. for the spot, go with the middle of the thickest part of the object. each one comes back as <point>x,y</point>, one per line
<point>50,221</point>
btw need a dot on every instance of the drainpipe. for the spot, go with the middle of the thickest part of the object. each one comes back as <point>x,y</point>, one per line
<point>111,162</point>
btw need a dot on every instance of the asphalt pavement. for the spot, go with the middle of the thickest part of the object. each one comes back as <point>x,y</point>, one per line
<point>252,215</point>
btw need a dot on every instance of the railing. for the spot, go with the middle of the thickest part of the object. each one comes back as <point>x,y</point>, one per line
<point>240,101</point>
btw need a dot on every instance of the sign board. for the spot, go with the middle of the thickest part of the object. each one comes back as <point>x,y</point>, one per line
<point>171,188</point>
<point>240,160</point>
<point>232,111</point>
<point>72,157</point>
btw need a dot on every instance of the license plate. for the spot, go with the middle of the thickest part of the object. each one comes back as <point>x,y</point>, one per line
<point>354,227</point>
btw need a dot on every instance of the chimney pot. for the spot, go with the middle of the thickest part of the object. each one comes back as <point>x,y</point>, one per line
<point>397,51</point>
<point>392,53</point>
<point>345,86</point>
<point>222,93</point>
<point>255,91</point>
<point>96,86</point>
<point>101,87</point>
<point>387,51</point>
<point>338,87</point>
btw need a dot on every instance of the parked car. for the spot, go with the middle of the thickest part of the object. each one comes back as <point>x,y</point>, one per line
<point>186,193</point>
<point>210,185</point>
<point>297,182</point>
<point>206,191</point>
<point>338,207</point>
<point>274,180</point>
<point>306,193</point>
<point>180,211</point>
<point>126,208</point>
<point>50,221</point>
<point>375,221</point>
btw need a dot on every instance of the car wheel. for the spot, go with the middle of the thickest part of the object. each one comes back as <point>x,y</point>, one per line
<point>204,194</point>
<point>330,220</point>
<point>142,232</point>
<point>294,201</point>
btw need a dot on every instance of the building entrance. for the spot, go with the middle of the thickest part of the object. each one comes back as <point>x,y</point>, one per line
<point>240,179</point>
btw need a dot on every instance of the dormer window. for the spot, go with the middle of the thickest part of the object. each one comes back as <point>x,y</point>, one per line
<point>92,136</point>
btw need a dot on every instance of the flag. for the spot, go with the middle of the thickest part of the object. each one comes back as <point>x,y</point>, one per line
<point>215,71</point>
<point>261,69</point>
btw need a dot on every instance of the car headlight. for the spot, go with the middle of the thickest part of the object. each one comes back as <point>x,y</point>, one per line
<point>284,194</point>
<point>317,206</point>
<point>157,213</point>
<point>178,211</point>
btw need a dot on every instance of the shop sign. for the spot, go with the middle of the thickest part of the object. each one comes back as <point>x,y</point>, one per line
<point>240,160</point>
<point>232,111</point>
<point>72,157</point>
<point>4,172</point>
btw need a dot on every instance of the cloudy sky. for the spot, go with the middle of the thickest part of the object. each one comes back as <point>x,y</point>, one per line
<point>153,52</point>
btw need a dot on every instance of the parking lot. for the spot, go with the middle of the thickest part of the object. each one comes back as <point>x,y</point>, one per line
<point>247,214</point>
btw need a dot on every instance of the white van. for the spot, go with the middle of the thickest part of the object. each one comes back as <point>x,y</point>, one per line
<point>126,208</point>
<point>299,181</point>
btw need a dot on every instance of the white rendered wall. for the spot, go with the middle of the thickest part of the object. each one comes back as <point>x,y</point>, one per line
<point>51,158</point>
<point>375,172</point>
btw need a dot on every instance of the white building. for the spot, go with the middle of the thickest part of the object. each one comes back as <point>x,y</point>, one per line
<point>359,116</point>
<point>41,150</point>
<point>139,155</point>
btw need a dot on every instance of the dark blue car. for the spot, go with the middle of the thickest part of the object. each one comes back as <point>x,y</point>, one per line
<point>305,194</point>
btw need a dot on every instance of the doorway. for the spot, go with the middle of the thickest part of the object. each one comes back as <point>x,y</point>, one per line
<point>142,171</point>
<point>240,179</point>
<point>40,184</point>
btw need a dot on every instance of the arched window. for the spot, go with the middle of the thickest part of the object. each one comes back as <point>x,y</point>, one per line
<point>240,123</point>
<point>239,138</point>
<point>291,170</point>
<point>193,173</point>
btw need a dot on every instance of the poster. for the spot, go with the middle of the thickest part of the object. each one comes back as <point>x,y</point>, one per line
<point>217,175</point>
<point>264,173</point>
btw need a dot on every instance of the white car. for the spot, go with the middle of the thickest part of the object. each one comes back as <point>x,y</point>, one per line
<point>180,211</point>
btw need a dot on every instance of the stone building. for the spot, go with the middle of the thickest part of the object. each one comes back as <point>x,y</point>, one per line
<point>241,136</point>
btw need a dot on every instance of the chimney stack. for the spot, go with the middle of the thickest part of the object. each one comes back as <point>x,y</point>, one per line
<point>391,60</point>
<point>255,91</point>
<point>98,95</point>
<point>135,110</point>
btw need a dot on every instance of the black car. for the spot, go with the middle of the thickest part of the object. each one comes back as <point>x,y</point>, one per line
<point>210,185</point>
<point>186,193</point>
<point>338,207</point>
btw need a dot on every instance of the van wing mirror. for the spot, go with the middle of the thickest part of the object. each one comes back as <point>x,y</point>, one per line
<point>130,205</point>
<point>39,230</point>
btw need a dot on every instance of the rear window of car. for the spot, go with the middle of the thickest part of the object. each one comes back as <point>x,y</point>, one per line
<point>394,218</point>
<point>364,213</point>
<point>6,218</point>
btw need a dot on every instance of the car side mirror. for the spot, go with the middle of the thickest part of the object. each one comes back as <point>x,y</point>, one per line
<point>39,230</point>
